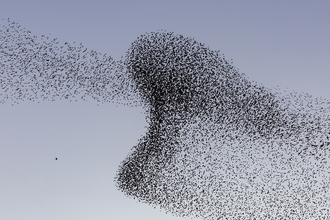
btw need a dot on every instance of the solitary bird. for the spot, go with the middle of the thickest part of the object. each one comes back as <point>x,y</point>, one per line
<point>55,158</point>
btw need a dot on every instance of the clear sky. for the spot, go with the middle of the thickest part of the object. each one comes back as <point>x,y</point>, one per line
<point>284,43</point>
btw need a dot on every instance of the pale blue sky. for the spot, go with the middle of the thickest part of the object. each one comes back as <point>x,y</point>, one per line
<point>283,43</point>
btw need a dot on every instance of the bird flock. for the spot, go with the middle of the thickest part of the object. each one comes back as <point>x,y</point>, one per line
<point>43,69</point>
<point>218,146</point>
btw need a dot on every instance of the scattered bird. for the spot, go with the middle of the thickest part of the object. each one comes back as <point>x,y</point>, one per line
<point>218,146</point>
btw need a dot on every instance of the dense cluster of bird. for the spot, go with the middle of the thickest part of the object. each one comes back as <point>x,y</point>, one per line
<point>217,147</point>
<point>43,69</point>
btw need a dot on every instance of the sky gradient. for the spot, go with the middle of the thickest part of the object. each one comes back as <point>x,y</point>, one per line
<point>274,43</point>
